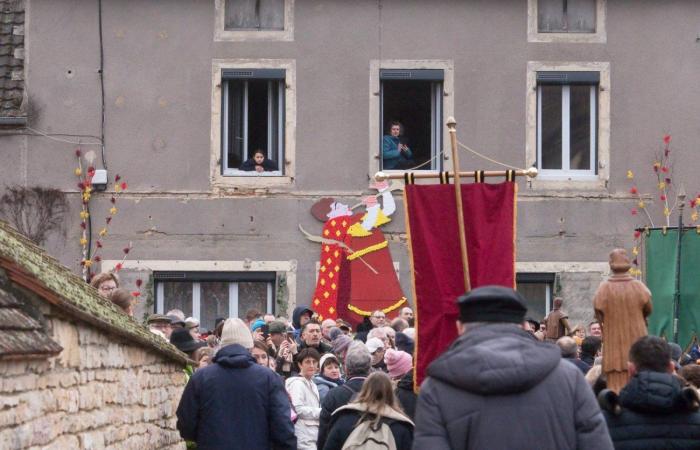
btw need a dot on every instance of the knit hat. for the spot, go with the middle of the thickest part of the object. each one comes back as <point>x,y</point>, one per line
<point>191,322</point>
<point>374,344</point>
<point>257,324</point>
<point>236,332</point>
<point>340,344</point>
<point>492,304</point>
<point>325,358</point>
<point>398,363</point>
<point>334,333</point>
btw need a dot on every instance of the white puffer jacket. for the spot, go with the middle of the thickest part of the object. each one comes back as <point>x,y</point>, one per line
<point>307,404</point>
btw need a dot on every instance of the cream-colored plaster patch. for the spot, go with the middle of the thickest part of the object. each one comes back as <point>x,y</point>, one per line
<point>562,266</point>
<point>598,183</point>
<point>599,37</point>
<point>66,335</point>
<point>222,34</point>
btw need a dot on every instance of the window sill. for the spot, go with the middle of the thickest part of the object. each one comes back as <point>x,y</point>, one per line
<point>251,173</point>
<point>244,182</point>
<point>571,184</point>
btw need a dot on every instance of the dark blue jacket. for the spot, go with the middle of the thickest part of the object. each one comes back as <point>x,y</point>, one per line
<point>236,404</point>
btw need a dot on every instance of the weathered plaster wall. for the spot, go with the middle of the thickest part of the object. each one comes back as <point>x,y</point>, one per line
<point>158,58</point>
<point>99,392</point>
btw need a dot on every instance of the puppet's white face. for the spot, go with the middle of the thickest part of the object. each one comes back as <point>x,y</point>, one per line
<point>339,209</point>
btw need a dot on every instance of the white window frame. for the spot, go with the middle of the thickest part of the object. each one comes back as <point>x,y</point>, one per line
<point>376,129</point>
<point>222,34</point>
<point>225,182</point>
<point>566,172</point>
<point>561,181</point>
<point>599,37</point>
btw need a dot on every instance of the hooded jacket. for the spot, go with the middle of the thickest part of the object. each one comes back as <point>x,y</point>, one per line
<point>654,412</point>
<point>498,388</point>
<point>236,404</point>
<point>348,416</point>
<point>307,404</point>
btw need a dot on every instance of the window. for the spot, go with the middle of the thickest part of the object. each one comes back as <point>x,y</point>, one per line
<point>567,21</point>
<point>254,15</point>
<point>537,290</point>
<point>413,99</point>
<point>253,106</point>
<point>566,123</point>
<point>209,295</point>
<point>566,16</point>
<point>254,20</point>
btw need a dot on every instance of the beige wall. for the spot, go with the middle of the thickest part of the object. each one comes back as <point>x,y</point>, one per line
<point>100,392</point>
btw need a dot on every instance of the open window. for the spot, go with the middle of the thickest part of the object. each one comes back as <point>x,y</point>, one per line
<point>253,118</point>
<point>567,131</point>
<point>537,290</point>
<point>411,98</point>
<point>209,295</point>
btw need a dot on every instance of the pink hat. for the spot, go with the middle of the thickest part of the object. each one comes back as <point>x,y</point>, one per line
<point>398,363</point>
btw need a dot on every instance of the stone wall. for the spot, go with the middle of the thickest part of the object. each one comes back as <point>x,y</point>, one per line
<point>99,392</point>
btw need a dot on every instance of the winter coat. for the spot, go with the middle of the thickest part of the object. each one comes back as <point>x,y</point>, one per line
<point>267,164</point>
<point>324,385</point>
<point>392,157</point>
<point>347,418</point>
<point>336,397</point>
<point>654,412</point>
<point>406,396</point>
<point>307,404</point>
<point>322,348</point>
<point>236,404</point>
<point>583,367</point>
<point>497,388</point>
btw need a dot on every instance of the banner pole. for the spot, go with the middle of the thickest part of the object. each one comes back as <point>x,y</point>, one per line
<point>451,125</point>
<point>677,293</point>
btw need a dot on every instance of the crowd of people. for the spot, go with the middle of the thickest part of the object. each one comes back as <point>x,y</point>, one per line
<point>506,382</point>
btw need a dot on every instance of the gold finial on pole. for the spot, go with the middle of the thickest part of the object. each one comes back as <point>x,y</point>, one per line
<point>452,126</point>
<point>380,176</point>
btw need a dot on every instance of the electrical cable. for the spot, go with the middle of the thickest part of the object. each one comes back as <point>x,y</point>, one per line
<point>51,136</point>
<point>102,83</point>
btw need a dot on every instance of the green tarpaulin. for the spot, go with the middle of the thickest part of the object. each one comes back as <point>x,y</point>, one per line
<point>660,254</point>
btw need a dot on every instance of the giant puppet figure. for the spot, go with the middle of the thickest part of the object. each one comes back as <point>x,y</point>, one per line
<point>622,305</point>
<point>356,273</point>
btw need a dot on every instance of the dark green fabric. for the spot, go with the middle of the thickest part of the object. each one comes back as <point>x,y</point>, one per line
<point>660,272</point>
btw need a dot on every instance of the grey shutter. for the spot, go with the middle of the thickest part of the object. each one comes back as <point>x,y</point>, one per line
<point>568,77</point>
<point>245,74</point>
<point>412,74</point>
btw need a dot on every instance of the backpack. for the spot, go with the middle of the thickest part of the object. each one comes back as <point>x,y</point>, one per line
<point>365,437</point>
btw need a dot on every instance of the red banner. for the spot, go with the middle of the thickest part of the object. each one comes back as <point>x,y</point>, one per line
<point>489,221</point>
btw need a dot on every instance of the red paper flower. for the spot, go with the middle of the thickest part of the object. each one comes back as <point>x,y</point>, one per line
<point>91,170</point>
<point>667,180</point>
<point>664,169</point>
<point>635,262</point>
<point>81,185</point>
<point>123,185</point>
<point>139,282</point>
<point>113,200</point>
<point>118,267</point>
<point>656,168</point>
<point>97,258</point>
<point>83,225</point>
<point>117,178</point>
<point>637,234</point>
<point>126,250</point>
<point>667,139</point>
<point>693,202</point>
<point>108,220</point>
<point>136,294</point>
<point>78,152</point>
<point>633,190</point>
<point>634,211</point>
<point>662,197</point>
<point>99,244</point>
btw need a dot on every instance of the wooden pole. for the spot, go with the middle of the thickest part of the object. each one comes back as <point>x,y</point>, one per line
<point>451,124</point>
<point>382,176</point>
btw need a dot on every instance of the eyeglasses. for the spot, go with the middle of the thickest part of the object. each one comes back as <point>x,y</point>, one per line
<point>107,288</point>
<point>379,317</point>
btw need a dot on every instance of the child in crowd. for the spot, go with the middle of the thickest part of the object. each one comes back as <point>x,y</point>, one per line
<point>259,163</point>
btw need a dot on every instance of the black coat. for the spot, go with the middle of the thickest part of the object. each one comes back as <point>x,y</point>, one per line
<point>236,404</point>
<point>267,164</point>
<point>654,412</point>
<point>345,421</point>
<point>407,398</point>
<point>498,388</point>
<point>335,398</point>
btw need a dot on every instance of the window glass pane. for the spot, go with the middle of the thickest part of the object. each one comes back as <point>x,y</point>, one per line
<point>580,128</point>
<point>272,14</point>
<point>581,16</point>
<point>236,92</point>
<point>252,295</point>
<point>214,301</point>
<point>550,16</point>
<point>551,129</point>
<point>536,299</point>
<point>177,295</point>
<point>257,116</point>
<point>410,103</point>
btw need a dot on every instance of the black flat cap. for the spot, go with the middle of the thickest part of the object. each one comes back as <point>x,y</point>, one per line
<point>492,304</point>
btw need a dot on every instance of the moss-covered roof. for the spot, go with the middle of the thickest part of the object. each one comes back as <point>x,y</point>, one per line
<point>32,268</point>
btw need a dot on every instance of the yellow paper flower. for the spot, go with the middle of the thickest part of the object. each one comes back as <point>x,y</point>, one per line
<point>88,189</point>
<point>630,175</point>
<point>86,196</point>
<point>113,210</point>
<point>117,188</point>
<point>87,262</point>
<point>84,214</point>
<point>103,232</point>
<point>83,242</point>
<point>78,171</point>
<point>667,212</point>
<point>635,251</point>
<point>641,204</point>
<point>662,185</point>
<point>694,216</point>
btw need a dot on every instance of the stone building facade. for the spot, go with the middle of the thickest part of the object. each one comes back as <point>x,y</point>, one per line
<point>74,371</point>
<point>215,241</point>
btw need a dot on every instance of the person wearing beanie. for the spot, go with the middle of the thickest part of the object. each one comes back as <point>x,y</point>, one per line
<point>400,367</point>
<point>340,345</point>
<point>329,375</point>
<point>234,403</point>
<point>497,387</point>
